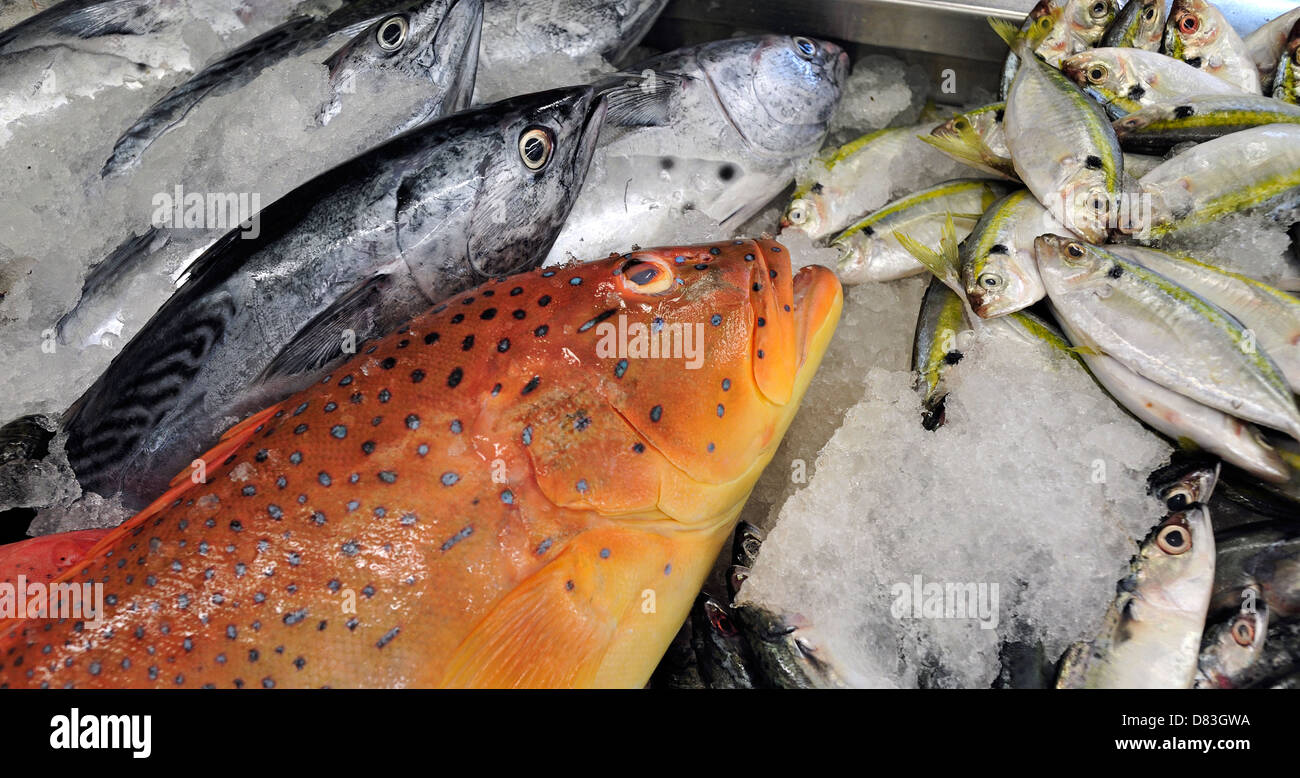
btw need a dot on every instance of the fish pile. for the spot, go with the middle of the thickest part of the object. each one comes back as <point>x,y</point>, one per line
<point>415,457</point>
<point>1124,138</point>
<point>428,413</point>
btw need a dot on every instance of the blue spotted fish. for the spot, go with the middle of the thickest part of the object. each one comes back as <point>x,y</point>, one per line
<point>512,490</point>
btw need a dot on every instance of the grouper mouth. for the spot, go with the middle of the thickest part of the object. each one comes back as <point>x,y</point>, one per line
<point>818,298</point>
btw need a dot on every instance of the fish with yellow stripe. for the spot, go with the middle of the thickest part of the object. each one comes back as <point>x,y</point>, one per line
<point>506,492</point>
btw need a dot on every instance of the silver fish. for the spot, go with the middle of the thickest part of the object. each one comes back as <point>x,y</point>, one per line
<point>414,21</point>
<point>870,249</point>
<point>1163,332</point>
<point>1273,316</point>
<point>936,348</point>
<point>1252,169</point>
<point>998,268</point>
<point>1157,128</point>
<point>1152,632</point>
<point>82,49</point>
<point>1124,80</point>
<point>1267,43</point>
<point>1264,555</point>
<point>1181,418</point>
<point>724,128</point>
<point>433,44</point>
<point>1198,34</point>
<point>1230,649</point>
<point>1064,149</point>
<point>1140,24</point>
<point>345,256</point>
<point>1076,25</point>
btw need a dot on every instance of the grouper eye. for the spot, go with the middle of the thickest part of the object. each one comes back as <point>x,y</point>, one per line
<point>536,145</point>
<point>805,47</point>
<point>645,277</point>
<point>392,33</point>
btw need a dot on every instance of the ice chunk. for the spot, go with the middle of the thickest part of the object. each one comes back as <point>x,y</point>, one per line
<point>881,91</point>
<point>1253,244</point>
<point>1035,489</point>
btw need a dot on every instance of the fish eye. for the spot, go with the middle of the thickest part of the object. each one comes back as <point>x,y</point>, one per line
<point>1074,250</point>
<point>959,124</point>
<point>1174,539</point>
<point>392,33</point>
<point>1100,9</point>
<point>1243,630</point>
<point>1150,13</point>
<point>797,215</point>
<point>1189,24</point>
<point>1097,74</point>
<point>645,277</point>
<point>990,280</point>
<point>805,47</point>
<point>1179,498</point>
<point>535,147</point>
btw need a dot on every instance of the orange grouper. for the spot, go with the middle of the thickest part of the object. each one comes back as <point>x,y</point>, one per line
<point>512,490</point>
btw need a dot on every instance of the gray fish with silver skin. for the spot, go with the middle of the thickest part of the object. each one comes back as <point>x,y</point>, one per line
<point>1157,128</point>
<point>1163,332</point>
<point>1271,314</point>
<point>1140,24</point>
<point>784,655</point>
<point>1265,555</point>
<point>1181,418</point>
<point>1198,34</point>
<point>298,35</point>
<point>433,44</point>
<point>721,652</point>
<point>81,49</point>
<point>360,248</point>
<point>719,128</point>
<point>936,348</point>
<point>1077,25</point>
<point>1151,635</point>
<point>1230,649</point>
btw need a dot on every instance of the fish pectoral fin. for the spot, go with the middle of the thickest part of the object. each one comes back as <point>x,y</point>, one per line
<point>322,340</point>
<point>641,99</point>
<point>100,19</point>
<point>549,632</point>
<point>556,628</point>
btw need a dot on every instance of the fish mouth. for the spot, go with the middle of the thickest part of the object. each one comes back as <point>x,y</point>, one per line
<point>818,299</point>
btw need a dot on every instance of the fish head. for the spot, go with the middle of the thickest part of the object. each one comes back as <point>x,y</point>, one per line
<point>964,137</point>
<point>1081,24</point>
<point>1000,280</point>
<point>1151,25</point>
<point>699,356</point>
<point>711,619</point>
<point>436,39</point>
<point>778,91</point>
<point>487,196</point>
<point>806,212</point>
<point>1194,486</point>
<point>1194,27</point>
<point>1069,264</point>
<point>1105,75</point>
<point>1084,204</point>
<point>1175,566</point>
<point>860,251</point>
<point>1231,647</point>
<point>787,647</point>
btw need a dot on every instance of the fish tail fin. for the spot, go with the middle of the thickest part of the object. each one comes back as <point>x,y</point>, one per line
<point>943,263</point>
<point>1023,41</point>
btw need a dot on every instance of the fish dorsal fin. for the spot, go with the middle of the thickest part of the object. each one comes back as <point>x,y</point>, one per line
<point>321,341</point>
<point>230,442</point>
<point>641,99</point>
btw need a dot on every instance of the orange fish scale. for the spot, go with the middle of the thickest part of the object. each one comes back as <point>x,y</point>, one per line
<point>365,529</point>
